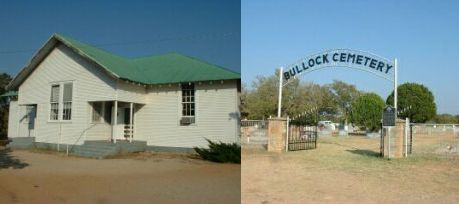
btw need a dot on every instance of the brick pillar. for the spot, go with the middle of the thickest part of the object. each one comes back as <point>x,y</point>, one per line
<point>277,134</point>
<point>397,135</point>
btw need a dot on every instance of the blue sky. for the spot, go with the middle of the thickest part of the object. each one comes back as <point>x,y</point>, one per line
<point>205,29</point>
<point>422,35</point>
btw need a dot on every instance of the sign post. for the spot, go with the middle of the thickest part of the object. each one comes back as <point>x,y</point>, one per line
<point>389,116</point>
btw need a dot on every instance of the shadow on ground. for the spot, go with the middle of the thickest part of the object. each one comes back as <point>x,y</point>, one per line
<point>8,161</point>
<point>364,152</point>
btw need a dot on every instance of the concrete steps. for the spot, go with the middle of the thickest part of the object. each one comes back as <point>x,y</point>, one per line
<point>103,149</point>
<point>22,143</point>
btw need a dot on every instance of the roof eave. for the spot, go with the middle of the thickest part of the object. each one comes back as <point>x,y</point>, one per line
<point>84,55</point>
<point>42,53</point>
<point>25,71</point>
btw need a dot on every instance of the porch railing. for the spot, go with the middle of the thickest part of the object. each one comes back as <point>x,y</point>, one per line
<point>128,131</point>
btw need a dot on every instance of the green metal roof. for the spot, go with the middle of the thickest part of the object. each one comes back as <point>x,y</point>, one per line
<point>160,69</point>
<point>9,93</point>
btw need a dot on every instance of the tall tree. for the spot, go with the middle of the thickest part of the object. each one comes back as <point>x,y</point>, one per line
<point>261,99</point>
<point>367,111</point>
<point>4,80</point>
<point>419,98</point>
<point>344,96</point>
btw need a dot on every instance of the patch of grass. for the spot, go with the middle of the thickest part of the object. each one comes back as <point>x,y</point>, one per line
<point>357,155</point>
<point>220,152</point>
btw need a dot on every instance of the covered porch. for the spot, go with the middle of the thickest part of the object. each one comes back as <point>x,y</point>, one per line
<point>118,117</point>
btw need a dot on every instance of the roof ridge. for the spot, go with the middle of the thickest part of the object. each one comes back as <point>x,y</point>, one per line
<point>66,37</point>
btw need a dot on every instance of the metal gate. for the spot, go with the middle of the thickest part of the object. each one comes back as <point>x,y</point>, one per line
<point>302,137</point>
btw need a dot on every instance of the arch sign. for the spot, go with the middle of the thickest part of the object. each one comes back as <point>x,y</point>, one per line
<point>354,59</point>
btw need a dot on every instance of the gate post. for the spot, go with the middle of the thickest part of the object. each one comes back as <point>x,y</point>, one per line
<point>277,134</point>
<point>394,140</point>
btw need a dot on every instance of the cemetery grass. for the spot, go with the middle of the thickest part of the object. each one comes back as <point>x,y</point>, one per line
<point>347,170</point>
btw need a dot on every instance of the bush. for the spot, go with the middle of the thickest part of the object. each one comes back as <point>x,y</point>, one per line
<point>220,152</point>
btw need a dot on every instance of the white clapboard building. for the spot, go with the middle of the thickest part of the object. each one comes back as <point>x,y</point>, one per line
<point>72,93</point>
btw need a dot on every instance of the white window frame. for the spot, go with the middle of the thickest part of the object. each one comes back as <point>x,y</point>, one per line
<point>180,104</point>
<point>54,103</point>
<point>60,112</point>
<point>64,102</point>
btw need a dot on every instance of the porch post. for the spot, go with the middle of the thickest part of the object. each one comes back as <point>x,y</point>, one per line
<point>131,132</point>
<point>115,122</point>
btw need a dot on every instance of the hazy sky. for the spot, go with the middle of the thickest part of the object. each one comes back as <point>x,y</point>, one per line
<point>205,29</point>
<point>423,35</point>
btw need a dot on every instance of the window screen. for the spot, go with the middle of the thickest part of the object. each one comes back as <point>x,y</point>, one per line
<point>96,111</point>
<point>54,103</point>
<point>67,101</point>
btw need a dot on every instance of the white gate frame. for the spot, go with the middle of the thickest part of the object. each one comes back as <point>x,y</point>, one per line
<point>279,103</point>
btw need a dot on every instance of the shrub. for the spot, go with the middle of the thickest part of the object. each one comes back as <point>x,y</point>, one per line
<point>220,152</point>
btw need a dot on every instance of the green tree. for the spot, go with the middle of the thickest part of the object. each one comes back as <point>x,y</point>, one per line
<point>4,80</point>
<point>261,100</point>
<point>344,96</point>
<point>419,98</point>
<point>243,100</point>
<point>445,119</point>
<point>367,111</point>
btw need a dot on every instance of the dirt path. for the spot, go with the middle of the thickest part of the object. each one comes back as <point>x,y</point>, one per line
<point>337,172</point>
<point>165,178</point>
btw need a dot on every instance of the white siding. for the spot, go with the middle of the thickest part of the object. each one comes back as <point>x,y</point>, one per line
<point>158,109</point>
<point>97,131</point>
<point>13,120</point>
<point>129,92</point>
<point>216,116</point>
<point>90,84</point>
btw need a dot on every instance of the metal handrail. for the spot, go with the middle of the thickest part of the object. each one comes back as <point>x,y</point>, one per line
<point>81,134</point>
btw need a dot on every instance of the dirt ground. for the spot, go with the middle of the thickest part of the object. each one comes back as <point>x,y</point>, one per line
<point>37,177</point>
<point>347,170</point>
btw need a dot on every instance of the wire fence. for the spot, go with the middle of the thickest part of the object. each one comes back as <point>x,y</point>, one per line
<point>254,132</point>
<point>438,139</point>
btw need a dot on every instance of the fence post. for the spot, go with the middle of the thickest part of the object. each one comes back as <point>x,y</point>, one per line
<point>407,122</point>
<point>286,140</point>
<point>381,142</point>
<point>411,138</point>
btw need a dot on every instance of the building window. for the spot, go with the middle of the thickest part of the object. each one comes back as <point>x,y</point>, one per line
<point>67,101</point>
<point>97,112</point>
<point>54,102</point>
<point>58,103</point>
<point>188,104</point>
